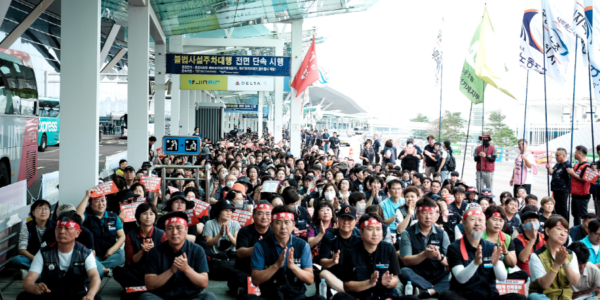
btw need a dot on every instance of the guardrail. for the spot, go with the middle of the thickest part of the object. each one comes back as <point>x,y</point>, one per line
<point>164,178</point>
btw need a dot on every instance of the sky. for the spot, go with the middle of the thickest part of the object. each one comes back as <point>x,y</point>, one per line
<point>382,57</point>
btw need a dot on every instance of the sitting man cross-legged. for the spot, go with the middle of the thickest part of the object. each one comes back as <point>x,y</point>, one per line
<point>475,263</point>
<point>177,269</point>
<point>281,272</point>
<point>68,269</point>
<point>422,250</point>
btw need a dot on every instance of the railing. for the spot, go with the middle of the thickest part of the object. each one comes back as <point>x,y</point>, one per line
<point>164,178</point>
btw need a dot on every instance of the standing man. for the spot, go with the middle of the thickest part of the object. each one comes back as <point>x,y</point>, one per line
<point>151,141</point>
<point>485,156</point>
<point>523,169</point>
<point>560,182</point>
<point>580,188</point>
<point>335,145</point>
<point>423,252</point>
<point>376,147</point>
<point>68,268</point>
<point>326,140</point>
<point>282,272</point>
<point>430,162</point>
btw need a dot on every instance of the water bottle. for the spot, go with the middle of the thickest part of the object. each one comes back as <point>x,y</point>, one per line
<point>527,287</point>
<point>323,288</point>
<point>408,289</point>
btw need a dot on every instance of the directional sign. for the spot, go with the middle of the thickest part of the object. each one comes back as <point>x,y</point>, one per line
<point>182,145</point>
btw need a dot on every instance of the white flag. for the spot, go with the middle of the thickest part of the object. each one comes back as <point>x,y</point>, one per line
<point>531,55</point>
<point>592,14</point>
<point>559,37</point>
<point>437,56</point>
<point>580,27</point>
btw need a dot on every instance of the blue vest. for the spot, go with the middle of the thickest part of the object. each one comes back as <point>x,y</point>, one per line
<point>72,282</point>
<point>136,243</point>
<point>361,272</point>
<point>483,283</point>
<point>284,284</point>
<point>429,267</point>
<point>33,244</point>
<point>104,238</point>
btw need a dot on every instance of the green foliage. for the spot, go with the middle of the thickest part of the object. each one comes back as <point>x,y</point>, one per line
<point>420,118</point>
<point>452,127</point>
<point>502,135</point>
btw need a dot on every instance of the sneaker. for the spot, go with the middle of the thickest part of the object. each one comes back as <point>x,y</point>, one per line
<point>23,273</point>
<point>425,295</point>
<point>109,273</point>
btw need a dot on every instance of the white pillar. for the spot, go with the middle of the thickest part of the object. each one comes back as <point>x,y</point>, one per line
<point>296,101</point>
<point>184,117</point>
<point>137,86</point>
<point>277,111</point>
<point>192,110</point>
<point>159,94</point>
<point>259,114</point>
<point>175,46</point>
<point>80,69</point>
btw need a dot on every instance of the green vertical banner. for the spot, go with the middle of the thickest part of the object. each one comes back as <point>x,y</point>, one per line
<point>471,85</point>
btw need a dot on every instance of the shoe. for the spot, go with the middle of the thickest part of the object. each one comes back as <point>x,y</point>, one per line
<point>23,273</point>
<point>416,291</point>
<point>425,295</point>
<point>109,273</point>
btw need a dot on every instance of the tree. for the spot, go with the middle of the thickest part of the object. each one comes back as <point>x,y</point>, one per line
<point>420,118</point>
<point>452,126</point>
<point>502,136</point>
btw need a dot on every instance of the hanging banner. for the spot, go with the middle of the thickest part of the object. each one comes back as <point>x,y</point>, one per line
<point>250,83</point>
<point>228,65</point>
<point>226,83</point>
<point>254,116</point>
<point>237,108</point>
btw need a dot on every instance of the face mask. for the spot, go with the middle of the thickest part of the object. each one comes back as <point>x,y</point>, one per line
<point>486,143</point>
<point>361,207</point>
<point>230,184</point>
<point>531,226</point>
<point>223,175</point>
<point>329,196</point>
<point>239,204</point>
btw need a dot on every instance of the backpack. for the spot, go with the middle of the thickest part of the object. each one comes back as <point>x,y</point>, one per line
<point>451,163</point>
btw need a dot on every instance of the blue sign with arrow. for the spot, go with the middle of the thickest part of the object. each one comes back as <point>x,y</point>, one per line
<point>182,145</point>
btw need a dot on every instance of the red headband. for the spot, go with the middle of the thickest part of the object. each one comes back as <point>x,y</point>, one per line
<point>370,222</point>
<point>494,215</point>
<point>473,212</point>
<point>69,224</point>
<point>426,208</point>
<point>175,220</point>
<point>264,206</point>
<point>283,215</point>
<point>559,223</point>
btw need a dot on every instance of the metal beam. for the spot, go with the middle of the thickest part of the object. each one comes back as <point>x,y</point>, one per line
<point>108,42</point>
<point>156,30</point>
<point>138,2</point>
<point>111,64</point>
<point>250,42</point>
<point>4,5</point>
<point>24,25</point>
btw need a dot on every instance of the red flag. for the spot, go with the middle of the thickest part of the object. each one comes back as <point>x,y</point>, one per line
<point>308,72</point>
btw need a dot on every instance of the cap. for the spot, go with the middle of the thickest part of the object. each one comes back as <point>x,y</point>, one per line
<point>126,194</point>
<point>390,178</point>
<point>129,168</point>
<point>455,173</point>
<point>485,135</point>
<point>486,193</point>
<point>146,164</point>
<point>348,211</point>
<point>309,177</point>
<point>220,206</point>
<point>529,215</point>
<point>240,188</point>
<point>64,208</point>
<point>435,197</point>
<point>470,190</point>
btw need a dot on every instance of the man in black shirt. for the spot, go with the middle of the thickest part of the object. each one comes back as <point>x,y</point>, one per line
<point>335,144</point>
<point>560,182</point>
<point>246,239</point>
<point>429,151</point>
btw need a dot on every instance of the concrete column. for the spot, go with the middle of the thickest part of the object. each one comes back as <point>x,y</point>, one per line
<point>192,110</point>
<point>80,69</point>
<point>137,86</point>
<point>175,46</point>
<point>184,117</point>
<point>277,111</point>
<point>296,100</point>
<point>259,114</point>
<point>159,94</point>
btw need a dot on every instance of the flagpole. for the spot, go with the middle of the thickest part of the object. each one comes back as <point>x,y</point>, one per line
<point>524,123</point>
<point>572,129</point>
<point>462,172</point>
<point>591,118</point>
<point>545,103</point>
<point>441,80</point>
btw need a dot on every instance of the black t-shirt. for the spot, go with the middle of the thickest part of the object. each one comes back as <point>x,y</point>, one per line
<point>428,161</point>
<point>86,238</point>
<point>348,269</point>
<point>248,237</point>
<point>560,177</point>
<point>335,142</point>
<point>410,162</point>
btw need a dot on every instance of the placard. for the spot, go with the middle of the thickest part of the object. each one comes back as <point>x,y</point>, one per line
<point>516,286</point>
<point>449,199</point>
<point>224,143</point>
<point>129,210</point>
<point>161,154</point>
<point>243,217</point>
<point>590,175</point>
<point>311,210</point>
<point>200,208</point>
<point>103,189</point>
<point>359,213</point>
<point>152,184</point>
<point>230,144</point>
<point>136,289</point>
<point>270,186</point>
<point>173,189</point>
<point>192,219</point>
<point>252,289</point>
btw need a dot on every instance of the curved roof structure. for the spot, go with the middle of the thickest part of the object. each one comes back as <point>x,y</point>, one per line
<point>332,100</point>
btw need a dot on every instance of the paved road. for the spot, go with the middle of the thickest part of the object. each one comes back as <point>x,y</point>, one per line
<point>48,160</point>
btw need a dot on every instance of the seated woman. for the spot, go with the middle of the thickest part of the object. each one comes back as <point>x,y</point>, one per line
<point>345,187</point>
<point>221,232</point>
<point>511,208</point>
<point>192,192</point>
<point>448,220</point>
<point>140,190</point>
<point>178,202</point>
<point>36,234</point>
<point>139,242</point>
<point>376,194</point>
<point>546,210</point>
<point>322,220</point>
<point>553,268</point>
